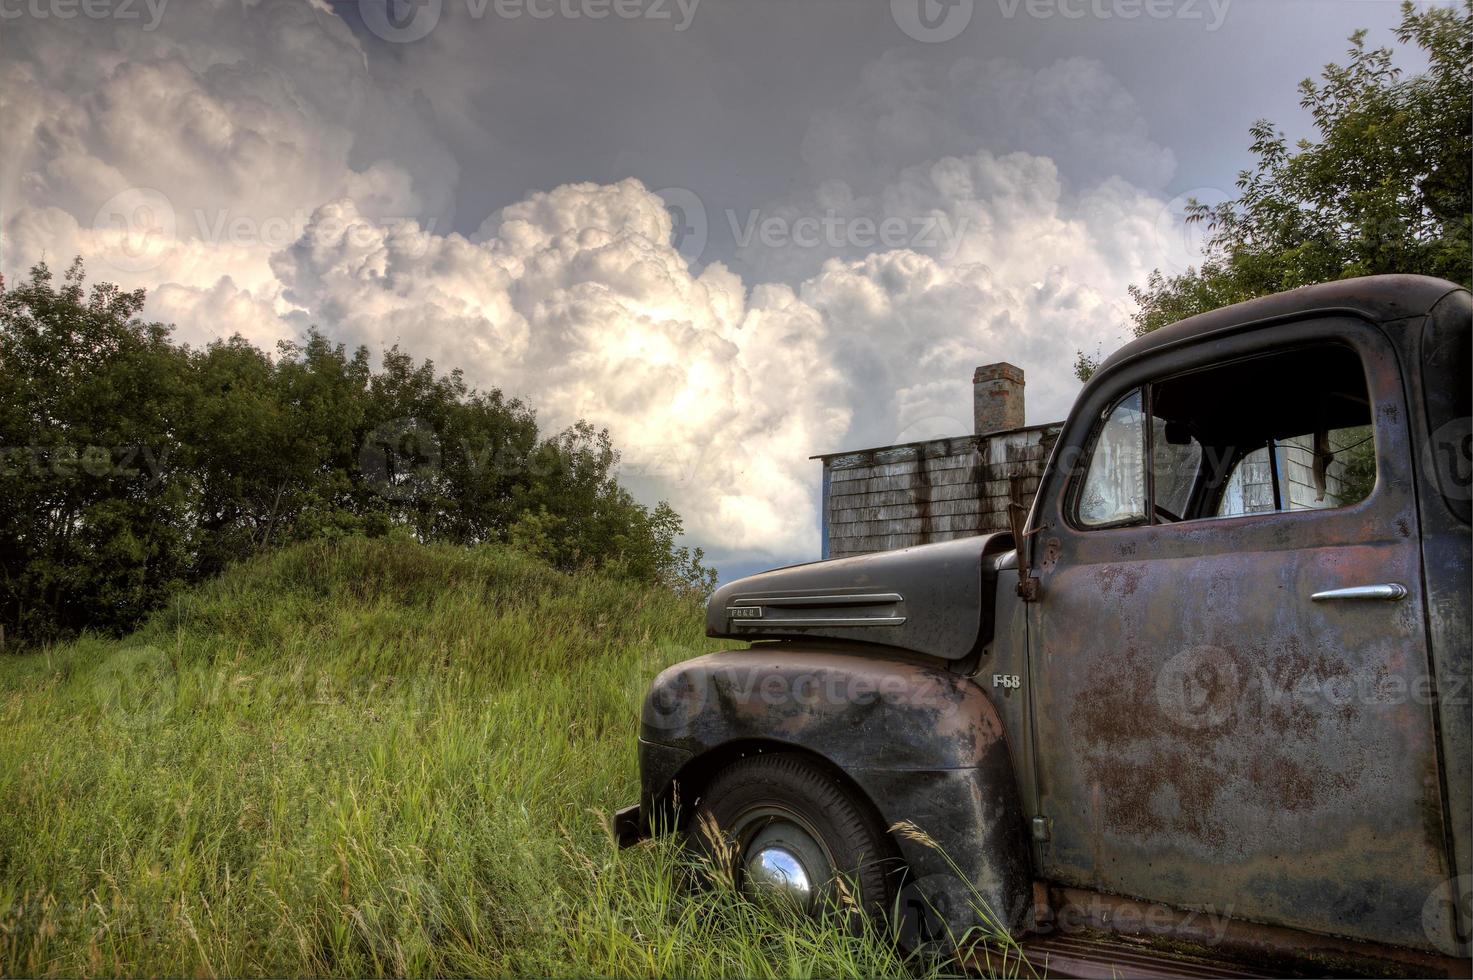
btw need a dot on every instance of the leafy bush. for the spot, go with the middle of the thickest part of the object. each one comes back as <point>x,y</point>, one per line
<point>133,465</point>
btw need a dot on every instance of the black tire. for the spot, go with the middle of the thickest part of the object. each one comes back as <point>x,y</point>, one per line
<point>775,800</point>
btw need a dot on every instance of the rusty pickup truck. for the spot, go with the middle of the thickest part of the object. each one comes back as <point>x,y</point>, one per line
<point>1209,697</point>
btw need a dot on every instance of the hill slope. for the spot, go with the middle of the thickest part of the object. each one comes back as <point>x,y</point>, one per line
<point>363,757</point>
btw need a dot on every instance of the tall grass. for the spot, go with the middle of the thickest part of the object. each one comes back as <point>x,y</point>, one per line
<point>364,758</point>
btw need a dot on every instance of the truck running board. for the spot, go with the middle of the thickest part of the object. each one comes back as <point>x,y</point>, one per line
<point>1107,958</point>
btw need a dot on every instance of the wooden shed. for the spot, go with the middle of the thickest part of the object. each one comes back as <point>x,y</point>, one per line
<point>922,492</point>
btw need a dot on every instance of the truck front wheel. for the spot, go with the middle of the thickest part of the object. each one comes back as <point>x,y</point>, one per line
<point>787,830</point>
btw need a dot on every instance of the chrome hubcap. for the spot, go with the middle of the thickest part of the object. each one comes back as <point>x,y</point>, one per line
<point>776,873</point>
<point>782,860</point>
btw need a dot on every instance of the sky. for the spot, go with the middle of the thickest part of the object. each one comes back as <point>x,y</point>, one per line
<point>736,233</point>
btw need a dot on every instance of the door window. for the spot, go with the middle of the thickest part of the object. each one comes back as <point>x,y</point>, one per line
<point>1287,431</point>
<point>1115,484</point>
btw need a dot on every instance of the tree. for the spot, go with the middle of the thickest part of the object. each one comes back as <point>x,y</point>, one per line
<point>95,495</point>
<point>1384,186</point>
<point>132,465</point>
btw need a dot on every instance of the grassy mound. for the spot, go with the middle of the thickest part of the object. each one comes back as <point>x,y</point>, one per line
<point>363,758</point>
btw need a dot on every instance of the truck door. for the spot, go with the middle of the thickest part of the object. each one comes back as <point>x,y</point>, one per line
<point>1229,664</point>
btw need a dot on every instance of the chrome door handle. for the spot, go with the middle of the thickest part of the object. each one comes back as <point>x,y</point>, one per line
<point>1389,592</point>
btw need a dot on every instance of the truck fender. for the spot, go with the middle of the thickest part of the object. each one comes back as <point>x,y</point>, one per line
<point>923,745</point>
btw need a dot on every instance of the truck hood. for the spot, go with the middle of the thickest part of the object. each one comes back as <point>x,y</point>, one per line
<point>936,599</point>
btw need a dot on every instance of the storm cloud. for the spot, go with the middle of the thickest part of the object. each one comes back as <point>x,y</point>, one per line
<point>734,233</point>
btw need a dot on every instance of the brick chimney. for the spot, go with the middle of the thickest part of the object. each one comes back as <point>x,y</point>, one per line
<point>997,398</point>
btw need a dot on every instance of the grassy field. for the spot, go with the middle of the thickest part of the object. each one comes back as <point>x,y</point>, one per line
<point>364,758</point>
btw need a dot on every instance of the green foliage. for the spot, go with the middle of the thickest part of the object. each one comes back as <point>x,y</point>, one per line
<point>133,465</point>
<point>1383,188</point>
<point>360,758</point>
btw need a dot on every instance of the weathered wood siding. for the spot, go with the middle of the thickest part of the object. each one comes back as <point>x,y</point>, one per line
<point>883,499</point>
<point>1250,489</point>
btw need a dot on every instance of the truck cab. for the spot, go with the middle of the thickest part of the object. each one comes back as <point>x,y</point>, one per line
<point>1210,693</point>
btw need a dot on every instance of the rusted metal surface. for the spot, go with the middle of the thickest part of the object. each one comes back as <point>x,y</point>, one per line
<point>1102,956</point>
<point>1083,916</point>
<point>923,744</point>
<point>1207,734</point>
<point>936,599</point>
<point>1440,399</point>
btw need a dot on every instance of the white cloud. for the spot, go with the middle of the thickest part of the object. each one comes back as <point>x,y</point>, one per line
<point>241,165</point>
<point>183,156</point>
<point>718,394</point>
<point>576,299</point>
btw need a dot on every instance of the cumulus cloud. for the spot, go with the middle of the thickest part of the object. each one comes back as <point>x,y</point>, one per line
<point>719,392</point>
<point>185,156</point>
<point>576,298</point>
<point>242,165</point>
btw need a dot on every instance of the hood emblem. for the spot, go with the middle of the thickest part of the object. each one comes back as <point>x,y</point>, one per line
<point>816,611</point>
